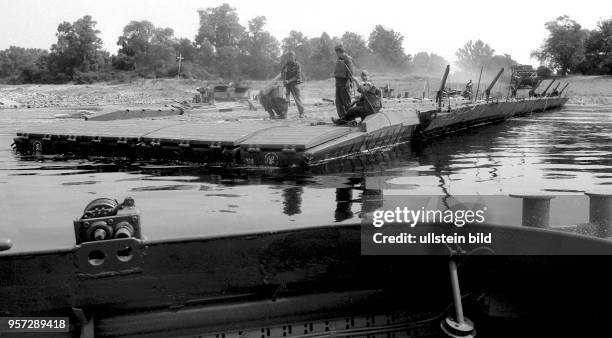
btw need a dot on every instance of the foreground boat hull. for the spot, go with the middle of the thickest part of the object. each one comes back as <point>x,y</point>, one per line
<point>304,279</point>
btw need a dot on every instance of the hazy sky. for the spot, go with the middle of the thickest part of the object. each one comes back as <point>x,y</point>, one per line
<point>513,27</point>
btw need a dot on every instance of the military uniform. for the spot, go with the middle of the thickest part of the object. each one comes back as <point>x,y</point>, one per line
<point>343,73</point>
<point>292,73</point>
<point>368,103</point>
<point>273,104</point>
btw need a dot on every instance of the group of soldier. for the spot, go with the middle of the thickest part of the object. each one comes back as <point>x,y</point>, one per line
<point>368,103</point>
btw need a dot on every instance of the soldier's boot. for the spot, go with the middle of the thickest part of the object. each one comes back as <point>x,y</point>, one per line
<point>338,121</point>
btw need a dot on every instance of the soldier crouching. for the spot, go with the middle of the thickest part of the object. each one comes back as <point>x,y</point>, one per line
<point>367,104</point>
<point>276,105</point>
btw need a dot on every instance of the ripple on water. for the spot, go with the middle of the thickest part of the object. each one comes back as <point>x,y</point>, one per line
<point>165,187</point>
<point>561,152</point>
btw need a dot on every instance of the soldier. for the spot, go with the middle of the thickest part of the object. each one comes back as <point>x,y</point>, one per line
<point>367,104</point>
<point>204,94</point>
<point>344,74</point>
<point>291,73</point>
<point>467,93</point>
<point>273,104</point>
<point>555,92</point>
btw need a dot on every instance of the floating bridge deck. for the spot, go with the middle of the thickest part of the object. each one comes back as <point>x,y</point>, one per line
<point>251,142</point>
<point>258,142</point>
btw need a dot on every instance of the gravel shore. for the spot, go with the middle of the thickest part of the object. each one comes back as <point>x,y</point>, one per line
<point>582,90</point>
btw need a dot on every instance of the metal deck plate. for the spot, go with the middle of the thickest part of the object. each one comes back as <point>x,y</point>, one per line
<point>125,128</point>
<point>230,133</point>
<point>298,137</point>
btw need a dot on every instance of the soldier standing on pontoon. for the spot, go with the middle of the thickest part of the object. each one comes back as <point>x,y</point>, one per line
<point>344,74</point>
<point>291,73</point>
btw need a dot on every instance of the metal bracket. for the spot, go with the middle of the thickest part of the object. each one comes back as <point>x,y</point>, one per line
<point>109,258</point>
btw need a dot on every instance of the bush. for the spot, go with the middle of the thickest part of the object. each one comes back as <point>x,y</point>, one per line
<point>123,77</point>
<point>85,77</point>
<point>544,71</point>
<point>190,70</point>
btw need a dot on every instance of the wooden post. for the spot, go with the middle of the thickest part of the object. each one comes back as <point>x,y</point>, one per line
<point>179,58</point>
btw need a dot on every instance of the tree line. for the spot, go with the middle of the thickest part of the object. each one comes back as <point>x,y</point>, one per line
<point>570,49</point>
<point>225,49</point>
<point>222,48</point>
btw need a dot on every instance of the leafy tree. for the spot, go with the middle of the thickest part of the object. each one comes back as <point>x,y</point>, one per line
<point>563,50</point>
<point>355,45</point>
<point>77,48</point>
<point>187,49</point>
<point>321,65</point>
<point>387,46</point>
<point>228,62</point>
<point>221,39</point>
<point>197,60</point>
<point>544,71</point>
<point>474,55</point>
<point>19,65</point>
<point>219,26</point>
<point>428,64</point>
<point>294,41</point>
<point>136,38</point>
<point>501,61</point>
<point>149,50</point>
<point>598,50</point>
<point>298,43</point>
<point>260,50</point>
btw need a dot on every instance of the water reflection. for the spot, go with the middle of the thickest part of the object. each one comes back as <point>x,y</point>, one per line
<point>568,151</point>
<point>292,202</point>
<point>344,203</point>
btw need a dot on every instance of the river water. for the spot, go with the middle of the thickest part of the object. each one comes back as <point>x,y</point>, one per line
<point>564,152</point>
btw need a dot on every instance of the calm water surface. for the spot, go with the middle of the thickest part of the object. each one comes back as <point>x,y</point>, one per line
<point>564,152</point>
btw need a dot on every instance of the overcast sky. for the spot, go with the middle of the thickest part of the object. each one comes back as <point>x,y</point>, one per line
<point>512,27</point>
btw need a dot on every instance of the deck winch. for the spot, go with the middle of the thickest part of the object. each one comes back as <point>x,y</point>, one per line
<point>105,218</point>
